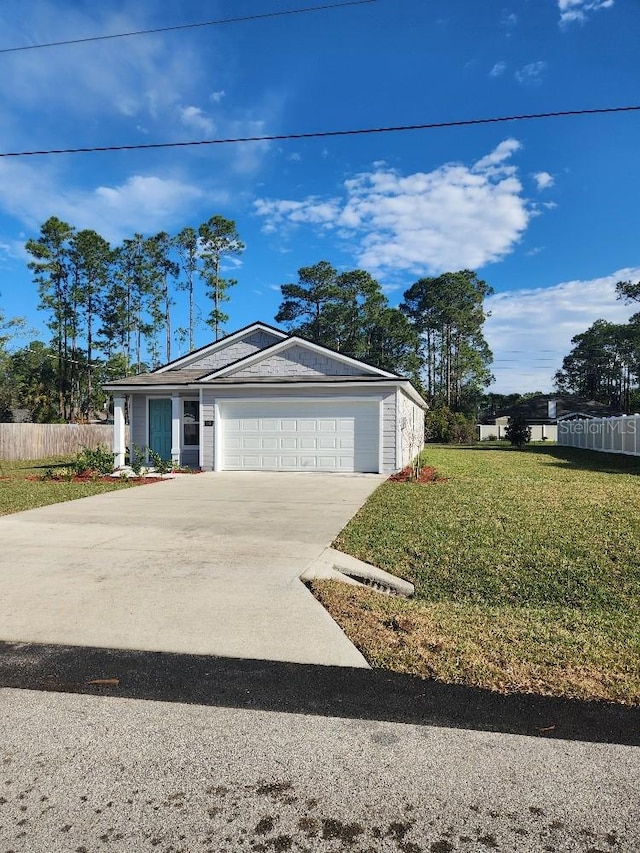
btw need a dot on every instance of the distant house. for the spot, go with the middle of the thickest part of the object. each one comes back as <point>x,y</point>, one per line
<point>542,413</point>
<point>260,399</point>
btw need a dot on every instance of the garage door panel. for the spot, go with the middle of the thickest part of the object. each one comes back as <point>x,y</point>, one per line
<point>251,425</point>
<point>326,436</point>
<point>330,463</point>
<point>325,443</point>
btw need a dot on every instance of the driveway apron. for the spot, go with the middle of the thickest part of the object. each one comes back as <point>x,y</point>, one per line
<point>204,564</point>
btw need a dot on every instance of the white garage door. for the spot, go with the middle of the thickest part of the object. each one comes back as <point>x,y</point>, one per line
<point>303,436</point>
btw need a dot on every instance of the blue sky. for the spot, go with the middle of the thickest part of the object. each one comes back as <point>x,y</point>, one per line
<point>544,211</point>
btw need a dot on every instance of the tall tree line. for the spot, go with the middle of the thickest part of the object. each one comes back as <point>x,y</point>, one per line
<point>117,301</point>
<point>604,363</point>
<point>434,337</point>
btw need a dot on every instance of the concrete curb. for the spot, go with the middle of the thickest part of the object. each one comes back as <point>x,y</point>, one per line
<point>334,565</point>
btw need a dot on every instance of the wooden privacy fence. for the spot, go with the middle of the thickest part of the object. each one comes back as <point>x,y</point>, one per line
<point>40,441</point>
<point>608,435</point>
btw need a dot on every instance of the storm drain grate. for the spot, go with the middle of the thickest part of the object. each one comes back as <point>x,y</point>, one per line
<point>377,585</point>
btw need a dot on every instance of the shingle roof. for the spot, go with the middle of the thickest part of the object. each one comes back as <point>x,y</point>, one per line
<point>190,377</point>
<point>171,377</point>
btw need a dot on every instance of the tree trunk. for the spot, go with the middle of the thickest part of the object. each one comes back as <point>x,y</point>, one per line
<point>216,297</point>
<point>167,317</point>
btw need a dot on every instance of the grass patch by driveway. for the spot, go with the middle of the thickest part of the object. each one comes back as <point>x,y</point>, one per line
<point>526,567</point>
<point>21,487</point>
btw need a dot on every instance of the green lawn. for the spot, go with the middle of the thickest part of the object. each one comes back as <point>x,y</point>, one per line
<point>526,567</point>
<point>21,487</point>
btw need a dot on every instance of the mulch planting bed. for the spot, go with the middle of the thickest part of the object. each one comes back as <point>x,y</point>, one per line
<point>425,475</point>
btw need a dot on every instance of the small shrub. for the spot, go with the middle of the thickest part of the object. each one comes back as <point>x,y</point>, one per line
<point>518,431</point>
<point>162,466</point>
<point>446,427</point>
<point>98,460</point>
<point>136,458</point>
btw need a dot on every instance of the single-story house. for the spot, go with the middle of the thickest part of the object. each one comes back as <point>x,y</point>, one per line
<point>260,399</point>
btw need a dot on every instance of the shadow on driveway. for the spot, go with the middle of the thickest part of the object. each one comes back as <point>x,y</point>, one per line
<point>309,689</point>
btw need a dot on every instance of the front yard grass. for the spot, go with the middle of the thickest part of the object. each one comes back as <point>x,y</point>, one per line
<point>21,488</point>
<point>526,567</point>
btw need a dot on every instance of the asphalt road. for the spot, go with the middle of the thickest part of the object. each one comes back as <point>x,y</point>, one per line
<point>185,753</point>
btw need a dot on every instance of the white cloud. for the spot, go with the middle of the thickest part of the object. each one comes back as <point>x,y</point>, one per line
<point>95,81</point>
<point>509,19</point>
<point>294,157</point>
<point>312,211</point>
<point>195,119</point>
<point>13,250</point>
<point>498,156</point>
<point>572,11</point>
<point>531,74</point>
<point>145,203</point>
<point>498,69</point>
<point>530,331</point>
<point>543,180</point>
<point>453,217</point>
<point>107,91</point>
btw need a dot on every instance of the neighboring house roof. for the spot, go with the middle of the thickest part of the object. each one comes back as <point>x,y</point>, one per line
<point>261,355</point>
<point>536,409</point>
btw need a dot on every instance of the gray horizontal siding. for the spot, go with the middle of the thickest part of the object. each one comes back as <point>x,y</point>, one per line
<point>411,429</point>
<point>389,463</point>
<point>298,361</point>
<point>207,413</point>
<point>190,456</point>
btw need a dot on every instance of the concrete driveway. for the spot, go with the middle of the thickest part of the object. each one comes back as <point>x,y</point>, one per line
<point>205,564</point>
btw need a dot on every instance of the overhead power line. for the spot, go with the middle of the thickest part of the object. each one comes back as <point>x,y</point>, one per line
<point>148,146</point>
<point>177,27</point>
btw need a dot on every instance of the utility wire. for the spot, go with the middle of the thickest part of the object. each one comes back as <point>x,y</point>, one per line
<point>319,134</point>
<point>220,21</point>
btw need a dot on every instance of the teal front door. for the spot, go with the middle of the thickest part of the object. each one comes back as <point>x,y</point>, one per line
<point>160,427</point>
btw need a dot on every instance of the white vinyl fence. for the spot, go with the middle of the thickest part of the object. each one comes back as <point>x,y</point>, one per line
<point>539,432</point>
<point>608,435</point>
<point>40,441</point>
